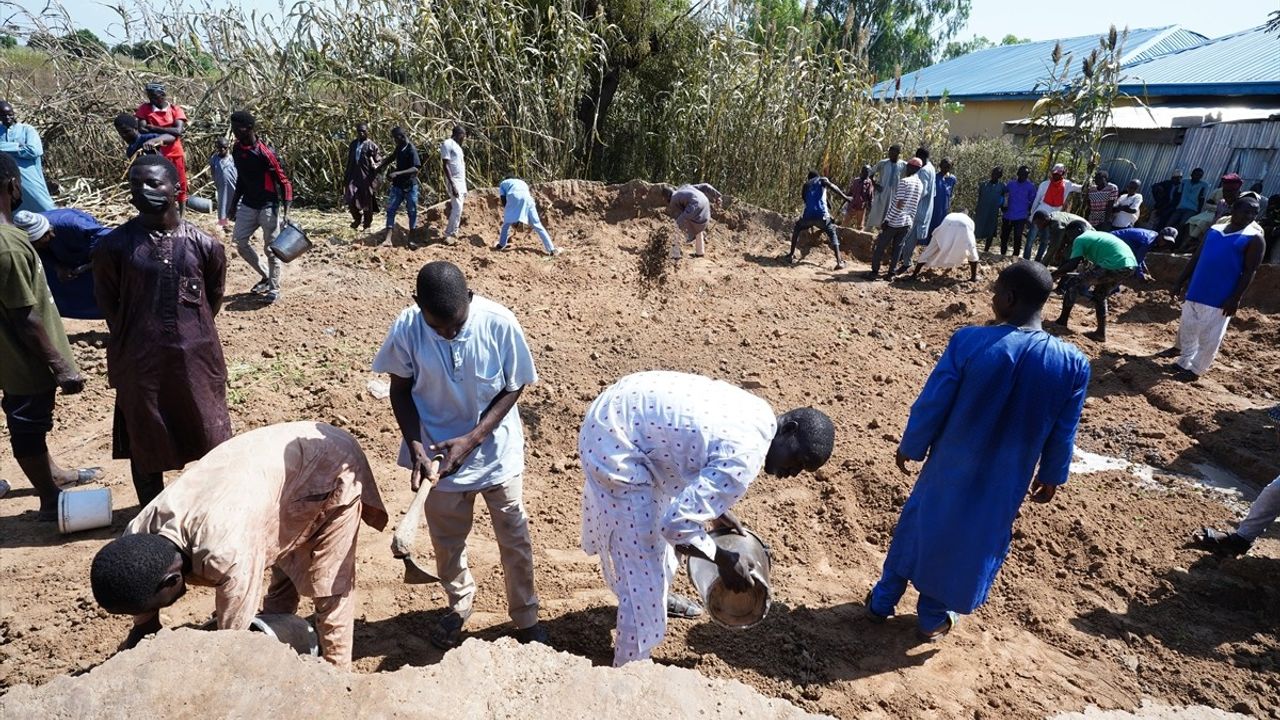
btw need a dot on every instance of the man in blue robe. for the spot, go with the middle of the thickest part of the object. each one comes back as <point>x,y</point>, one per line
<point>1002,398</point>
<point>65,239</point>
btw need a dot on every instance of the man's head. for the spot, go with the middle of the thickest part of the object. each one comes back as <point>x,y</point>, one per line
<point>1176,176</point>
<point>10,184</point>
<point>865,172</point>
<point>459,134</point>
<point>1040,219</point>
<point>153,184</point>
<point>1058,171</point>
<point>362,132</point>
<point>156,94</point>
<point>1133,186</point>
<point>1023,172</point>
<point>1166,238</point>
<point>945,165</point>
<point>923,154</point>
<point>1197,174</point>
<point>222,146</point>
<point>895,152</point>
<point>1231,183</point>
<point>1100,178</point>
<point>813,174</point>
<point>36,226</point>
<point>137,574</point>
<point>444,298</point>
<point>804,441</point>
<point>1021,290</point>
<point>127,127</point>
<point>997,172</point>
<point>8,116</point>
<point>913,167</point>
<point>398,135</point>
<point>1244,210</point>
<point>243,126</point>
<point>1256,188</point>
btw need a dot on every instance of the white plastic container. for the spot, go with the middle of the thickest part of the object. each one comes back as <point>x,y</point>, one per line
<point>289,629</point>
<point>84,509</point>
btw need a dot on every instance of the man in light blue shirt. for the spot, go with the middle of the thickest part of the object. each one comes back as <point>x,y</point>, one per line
<point>458,363</point>
<point>1194,192</point>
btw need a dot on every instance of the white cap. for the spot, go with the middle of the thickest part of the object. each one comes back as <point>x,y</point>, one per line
<point>34,225</point>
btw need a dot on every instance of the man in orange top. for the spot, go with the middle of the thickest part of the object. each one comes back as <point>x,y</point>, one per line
<point>158,115</point>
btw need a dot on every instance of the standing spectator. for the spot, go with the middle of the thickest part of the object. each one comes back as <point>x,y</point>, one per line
<point>1127,207</point>
<point>518,208</point>
<point>816,215</point>
<point>159,281</point>
<point>1020,196</point>
<point>1101,196</point>
<point>924,211</point>
<point>897,220</point>
<point>35,357</point>
<point>222,168</point>
<point>404,182</point>
<point>1165,196</point>
<point>21,142</point>
<point>990,196</point>
<point>1110,263</point>
<point>158,115</point>
<point>65,239</point>
<point>884,178</point>
<point>861,194</point>
<point>454,164</point>
<point>458,363</point>
<point>944,188</point>
<point>1051,197</point>
<point>261,201</point>
<point>1215,280</point>
<point>1194,191</point>
<point>360,194</point>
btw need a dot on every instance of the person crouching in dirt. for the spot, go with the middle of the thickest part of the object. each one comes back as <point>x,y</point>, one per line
<point>663,455</point>
<point>1012,390</point>
<point>953,243</point>
<point>458,363</point>
<point>288,497</point>
<point>1111,263</point>
<point>816,215</point>
<point>1264,511</point>
<point>518,208</point>
<point>691,205</point>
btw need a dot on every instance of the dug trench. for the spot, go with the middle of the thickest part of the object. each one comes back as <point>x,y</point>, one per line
<point>1100,602</point>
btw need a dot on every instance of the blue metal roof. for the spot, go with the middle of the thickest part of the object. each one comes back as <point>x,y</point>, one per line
<point>1009,72</point>
<point>1242,64</point>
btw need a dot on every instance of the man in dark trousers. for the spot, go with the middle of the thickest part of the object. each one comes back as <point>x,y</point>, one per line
<point>816,215</point>
<point>261,201</point>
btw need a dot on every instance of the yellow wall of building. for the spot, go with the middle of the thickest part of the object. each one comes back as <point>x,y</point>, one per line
<point>985,118</point>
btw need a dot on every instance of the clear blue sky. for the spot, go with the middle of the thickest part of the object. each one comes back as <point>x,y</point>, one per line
<point>992,18</point>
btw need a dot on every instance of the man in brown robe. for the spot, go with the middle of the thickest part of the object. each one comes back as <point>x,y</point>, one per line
<point>159,282</point>
<point>362,178</point>
<point>289,497</point>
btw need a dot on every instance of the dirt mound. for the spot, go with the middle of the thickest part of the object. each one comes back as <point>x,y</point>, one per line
<point>1100,601</point>
<point>241,674</point>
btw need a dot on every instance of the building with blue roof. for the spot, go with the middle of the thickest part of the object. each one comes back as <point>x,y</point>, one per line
<point>1000,84</point>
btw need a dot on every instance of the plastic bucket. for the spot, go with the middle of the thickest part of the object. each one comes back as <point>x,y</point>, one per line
<point>290,243</point>
<point>199,204</point>
<point>289,629</point>
<point>734,610</point>
<point>84,509</point>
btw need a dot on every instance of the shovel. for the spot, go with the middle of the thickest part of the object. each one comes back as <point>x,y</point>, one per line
<point>407,530</point>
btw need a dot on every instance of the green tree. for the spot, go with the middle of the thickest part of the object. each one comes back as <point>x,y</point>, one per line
<point>8,41</point>
<point>894,36</point>
<point>958,48</point>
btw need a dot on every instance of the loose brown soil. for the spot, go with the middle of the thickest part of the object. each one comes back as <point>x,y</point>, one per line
<point>1099,603</point>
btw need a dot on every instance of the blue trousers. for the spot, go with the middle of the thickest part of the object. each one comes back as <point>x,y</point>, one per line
<point>930,613</point>
<point>408,196</point>
<point>537,228</point>
<point>1033,234</point>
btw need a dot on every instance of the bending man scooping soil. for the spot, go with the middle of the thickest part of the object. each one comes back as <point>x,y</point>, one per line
<point>664,454</point>
<point>289,497</point>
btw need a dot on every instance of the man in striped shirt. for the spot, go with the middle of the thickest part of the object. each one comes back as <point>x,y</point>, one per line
<point>897,219</point>
<point>261,200</point>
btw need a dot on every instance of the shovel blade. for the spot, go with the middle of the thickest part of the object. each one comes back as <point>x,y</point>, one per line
<point>414,575</point>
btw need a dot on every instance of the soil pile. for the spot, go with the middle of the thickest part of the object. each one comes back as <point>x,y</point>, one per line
<point>1100,602</point>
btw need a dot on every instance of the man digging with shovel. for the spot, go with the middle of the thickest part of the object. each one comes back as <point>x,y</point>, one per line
<point>458,363</point>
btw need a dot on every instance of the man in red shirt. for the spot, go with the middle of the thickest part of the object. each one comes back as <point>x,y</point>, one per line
<point>158,115</point>
<point>261,201</point>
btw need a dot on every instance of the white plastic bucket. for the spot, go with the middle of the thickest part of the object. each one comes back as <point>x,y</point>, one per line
<point>84,509</point>
<point>289,629</point>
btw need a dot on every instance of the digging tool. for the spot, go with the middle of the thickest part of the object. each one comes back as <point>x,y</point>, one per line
<point>407,530</point>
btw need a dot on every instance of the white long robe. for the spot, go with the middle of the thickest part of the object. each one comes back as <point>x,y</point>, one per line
<point>886,173</point>
<point>663,454</point>
<point>953,243</point>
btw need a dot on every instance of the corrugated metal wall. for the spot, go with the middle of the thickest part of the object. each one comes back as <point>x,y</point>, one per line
<point>1211,147</point>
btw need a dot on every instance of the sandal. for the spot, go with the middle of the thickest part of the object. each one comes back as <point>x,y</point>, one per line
<point>84,476</point>
<point>682,608</point>
<point>447,634</point>
<point>941,631</point>
<point>872,615</point>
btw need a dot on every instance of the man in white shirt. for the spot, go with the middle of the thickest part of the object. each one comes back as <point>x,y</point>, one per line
<point>897,219</point>
<point>663,455</point>
<point>458,363</point>
<point>455,178</point>
<point>1051,197</point>
<point>1127,207</point>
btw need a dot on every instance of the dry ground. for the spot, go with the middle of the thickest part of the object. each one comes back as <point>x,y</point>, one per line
<point>1099,603</point>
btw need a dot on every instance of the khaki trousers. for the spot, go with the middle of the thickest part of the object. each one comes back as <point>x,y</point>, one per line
<point>449,516</point>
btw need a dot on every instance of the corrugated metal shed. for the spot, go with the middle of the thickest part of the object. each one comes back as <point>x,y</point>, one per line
<point>1010,72</point>
<point>1245,63</point>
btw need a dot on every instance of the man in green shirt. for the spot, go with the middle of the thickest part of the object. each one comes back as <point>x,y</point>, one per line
<point>1060,229</point>
<point>35,357</point>
<point>1109,262</point>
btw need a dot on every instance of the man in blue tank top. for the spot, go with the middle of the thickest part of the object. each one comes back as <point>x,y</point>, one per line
<point>1215,280</point>
<point>816,215</point>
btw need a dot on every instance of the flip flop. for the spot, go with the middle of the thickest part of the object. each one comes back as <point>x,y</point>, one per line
<point>682,608</point>
<point>84,476</point>
<point>941,631</point>
<point>447,634</point>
